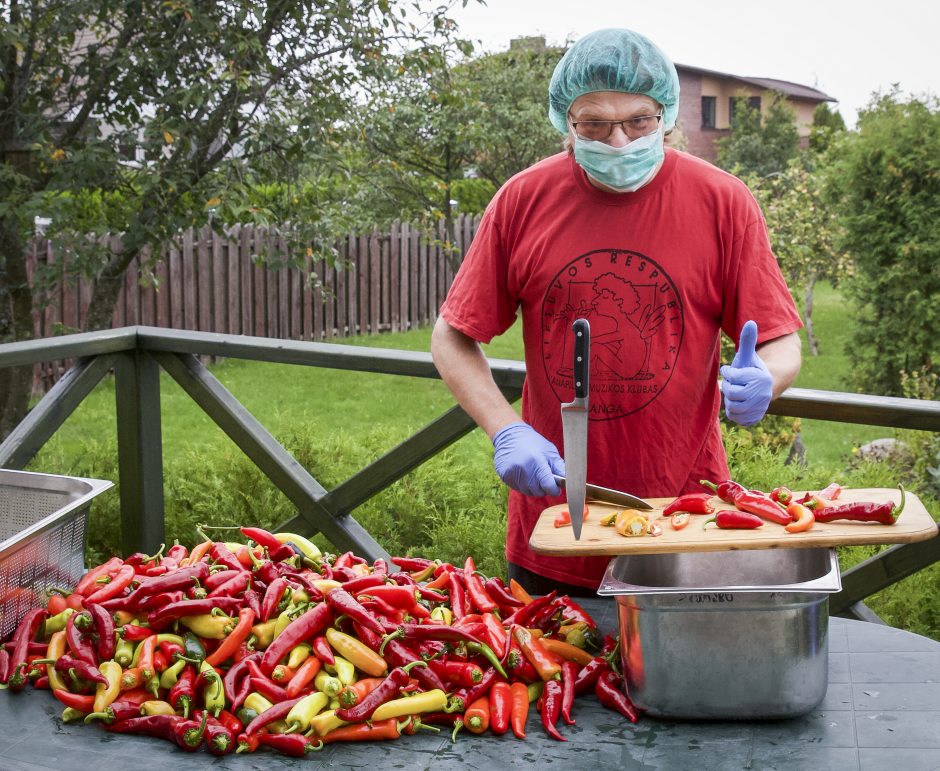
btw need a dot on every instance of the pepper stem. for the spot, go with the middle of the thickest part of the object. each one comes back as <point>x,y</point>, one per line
<point>396,635</point>
<point>710,485</point>
<point>457,726</point>
<point>415,663</point>
<point>896,511</point>
<point>707,521</point>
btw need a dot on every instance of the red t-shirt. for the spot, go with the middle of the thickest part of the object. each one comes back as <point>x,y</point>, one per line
<point>657,273</point>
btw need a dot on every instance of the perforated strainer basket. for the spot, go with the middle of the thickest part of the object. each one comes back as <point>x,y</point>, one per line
<point>42,537</point>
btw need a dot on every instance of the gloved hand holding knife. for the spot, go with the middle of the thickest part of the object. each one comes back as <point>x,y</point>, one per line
<point>526,461</point>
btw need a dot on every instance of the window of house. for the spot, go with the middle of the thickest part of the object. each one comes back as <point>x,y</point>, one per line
<point>708,111</point>
<point>753,102</point>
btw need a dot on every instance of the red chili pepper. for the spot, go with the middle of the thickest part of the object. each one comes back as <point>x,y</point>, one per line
<point>884,513</point>
<point>495,633</point>
<point>271,714</point>
<point>523,616</point>
<point>4,665</point>
<point>293,745</point>
<point>680,519</point>
<point>183,693</point>
<point>519,665</point>
<point>188,734</point>
<point>609,690</point>
<point>118,583</point>
<point>25,632</point>
<point>573,612</point>
<point>182,578</point>
<point>344,560</point>
<point>399,655</point>
<point>458,598</point>
<point>828,493</point>
<point>475,589</point>
<point>219,737</point>
<point>310,624</point>
<point>549,707</point>
<point>412,563</point>
<point>135,632</point>
<point>500,592</point>
<point>386,691</point>
<point>589,674</point>
<point>760,504</point>
<point>569,675</point>
<point>88,585</point>
<point>177,610</point>
<point>462,673</point>
<point>160,726</point>
<point>735,520</point>
<point>401,597</point>
<point>104,630</point>
<point>500,707</point>
<point>562,519</point>
<point>261,537</point>
<point>694,503</point>
<point>344,604</point>
<point>469,695</point>
<point>727,490</point>
<point>246,618</point>
<point>235,675</point>
<point>81,702</point>
<point>782,495</point>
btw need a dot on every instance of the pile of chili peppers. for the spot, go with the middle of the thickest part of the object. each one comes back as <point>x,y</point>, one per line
<point>754,507</point>
<point>235,646</point>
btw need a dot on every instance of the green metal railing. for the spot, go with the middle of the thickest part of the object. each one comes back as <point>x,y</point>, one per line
<point>137,354</point>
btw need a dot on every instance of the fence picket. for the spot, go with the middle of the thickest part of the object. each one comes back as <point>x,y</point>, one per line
<point>391,281</point>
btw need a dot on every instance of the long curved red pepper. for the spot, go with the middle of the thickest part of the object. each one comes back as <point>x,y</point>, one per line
<point>500,707</point>
<point>25,632</point>
<point>309,625</point>
<point>457,595</point>
<point>760,504</point>
<point>727,490</point>
<point>344,604</point>
<point>609,690</point>
<point>886,513</point>
<point>569,675</point>
<point>589,674</point>
<point>475,589</point>
<point>104,630</point>
<point>387,690</point>
<point>735,520</point>
<point>549,705</point>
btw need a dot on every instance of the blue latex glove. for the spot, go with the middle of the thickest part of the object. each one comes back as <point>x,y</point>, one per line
<point>526,461</point>
<point>747,384</point>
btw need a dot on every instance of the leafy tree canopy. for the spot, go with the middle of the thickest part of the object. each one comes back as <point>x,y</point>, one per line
<point>760,143</point>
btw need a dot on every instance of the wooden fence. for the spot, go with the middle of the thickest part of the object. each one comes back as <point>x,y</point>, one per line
<point>387,282</point>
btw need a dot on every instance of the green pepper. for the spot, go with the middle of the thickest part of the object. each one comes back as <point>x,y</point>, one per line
<point>193,649</point>
<point>57,622</point>
<point>124,652</point>
<point>246,715</point>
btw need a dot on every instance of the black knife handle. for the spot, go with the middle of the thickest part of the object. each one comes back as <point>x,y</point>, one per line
<point>582,355</point>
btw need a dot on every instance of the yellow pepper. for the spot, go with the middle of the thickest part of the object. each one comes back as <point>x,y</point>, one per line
<point>325,722</point>
<point>442,615</point>
<point>57,622</point>
<point>282,622</point>
<point>298,596</point>
<point>344,670</point>
<point>361,655</point>
<point>54,649</point>
<point>264,633</point>
<point>213,695</point>
<point>608,520</point>
<point>326,683</point>
<point>298,655</point>
<point>308,548</point>
<point>631,523</point>
<point>326,585</point>
<point>156,707</point>
<point>257,702</point>
<point>298,719</point>
<point>209,626</point>
<point>123,617</point>
<point>428,701</point>
<point>105,694</point>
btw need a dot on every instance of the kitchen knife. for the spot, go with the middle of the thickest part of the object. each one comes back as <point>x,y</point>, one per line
<point>607,495</point>
<point>574,423</point>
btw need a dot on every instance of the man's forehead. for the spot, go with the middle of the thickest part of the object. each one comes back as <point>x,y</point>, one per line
<point>618,102</point>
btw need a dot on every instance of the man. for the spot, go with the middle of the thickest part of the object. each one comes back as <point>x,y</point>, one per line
<point>660,252</point>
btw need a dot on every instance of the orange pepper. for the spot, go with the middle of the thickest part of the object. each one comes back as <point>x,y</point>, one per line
<point>303,676</point>
<point>515,588</point>
<point>802,516</point>
<point>545,663</point>
<point>246,619</point>
<point>477,717</point>
<point>567,651</point>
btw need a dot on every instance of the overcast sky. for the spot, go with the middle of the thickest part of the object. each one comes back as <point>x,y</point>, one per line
<point>846,49</point>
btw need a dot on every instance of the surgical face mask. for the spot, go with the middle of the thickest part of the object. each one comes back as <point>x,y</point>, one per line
<point>626,168</point>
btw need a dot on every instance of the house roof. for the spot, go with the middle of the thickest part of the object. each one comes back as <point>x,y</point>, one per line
<point>785,87</point>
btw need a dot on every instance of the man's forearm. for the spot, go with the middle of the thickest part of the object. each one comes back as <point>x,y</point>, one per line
<point>783,359</point>
<point>466,372</point>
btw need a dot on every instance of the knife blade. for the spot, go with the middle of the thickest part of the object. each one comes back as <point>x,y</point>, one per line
<point>574,423</point>
<point>609,495</point>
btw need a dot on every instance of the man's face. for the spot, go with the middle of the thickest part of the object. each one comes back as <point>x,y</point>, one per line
<point>609,106</point>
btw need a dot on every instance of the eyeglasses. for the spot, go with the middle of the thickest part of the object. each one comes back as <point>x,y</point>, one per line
<point>600,130</point>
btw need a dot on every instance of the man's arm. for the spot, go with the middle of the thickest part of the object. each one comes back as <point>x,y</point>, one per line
<point>464,369</point>
<point>783,358</point>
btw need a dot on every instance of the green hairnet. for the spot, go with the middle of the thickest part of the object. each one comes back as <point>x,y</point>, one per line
<point>613,60</point>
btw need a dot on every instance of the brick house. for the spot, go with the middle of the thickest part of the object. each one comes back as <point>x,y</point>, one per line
<point>706,103</point>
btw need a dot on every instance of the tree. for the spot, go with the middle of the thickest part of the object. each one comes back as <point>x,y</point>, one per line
<point>760,144</point>
<point>827,125</point>
<point>197,92</point>
<point>887,183</point>
<point>803,231</point>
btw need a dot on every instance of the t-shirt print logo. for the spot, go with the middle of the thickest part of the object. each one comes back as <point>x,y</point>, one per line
<point>636,329</point>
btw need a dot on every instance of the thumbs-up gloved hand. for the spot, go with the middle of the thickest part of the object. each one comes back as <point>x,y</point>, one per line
<point>747,384</point>
<point>526,461</point>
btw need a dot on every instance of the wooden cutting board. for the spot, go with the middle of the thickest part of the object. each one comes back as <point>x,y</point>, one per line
<point>914,524</point>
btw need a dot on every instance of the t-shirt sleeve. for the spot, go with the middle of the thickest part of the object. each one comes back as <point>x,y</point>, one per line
<point>479,302</point>
<point>755,288</point>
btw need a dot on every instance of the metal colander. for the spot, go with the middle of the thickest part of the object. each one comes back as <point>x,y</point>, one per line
<point>42,537</point>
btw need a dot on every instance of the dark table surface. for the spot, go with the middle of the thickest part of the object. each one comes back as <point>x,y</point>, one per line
<point>882,710</point>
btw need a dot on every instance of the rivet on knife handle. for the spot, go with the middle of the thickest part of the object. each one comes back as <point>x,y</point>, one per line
<point>581,354</point>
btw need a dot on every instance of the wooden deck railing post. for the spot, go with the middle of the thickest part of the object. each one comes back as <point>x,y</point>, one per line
<point>140,451</point>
